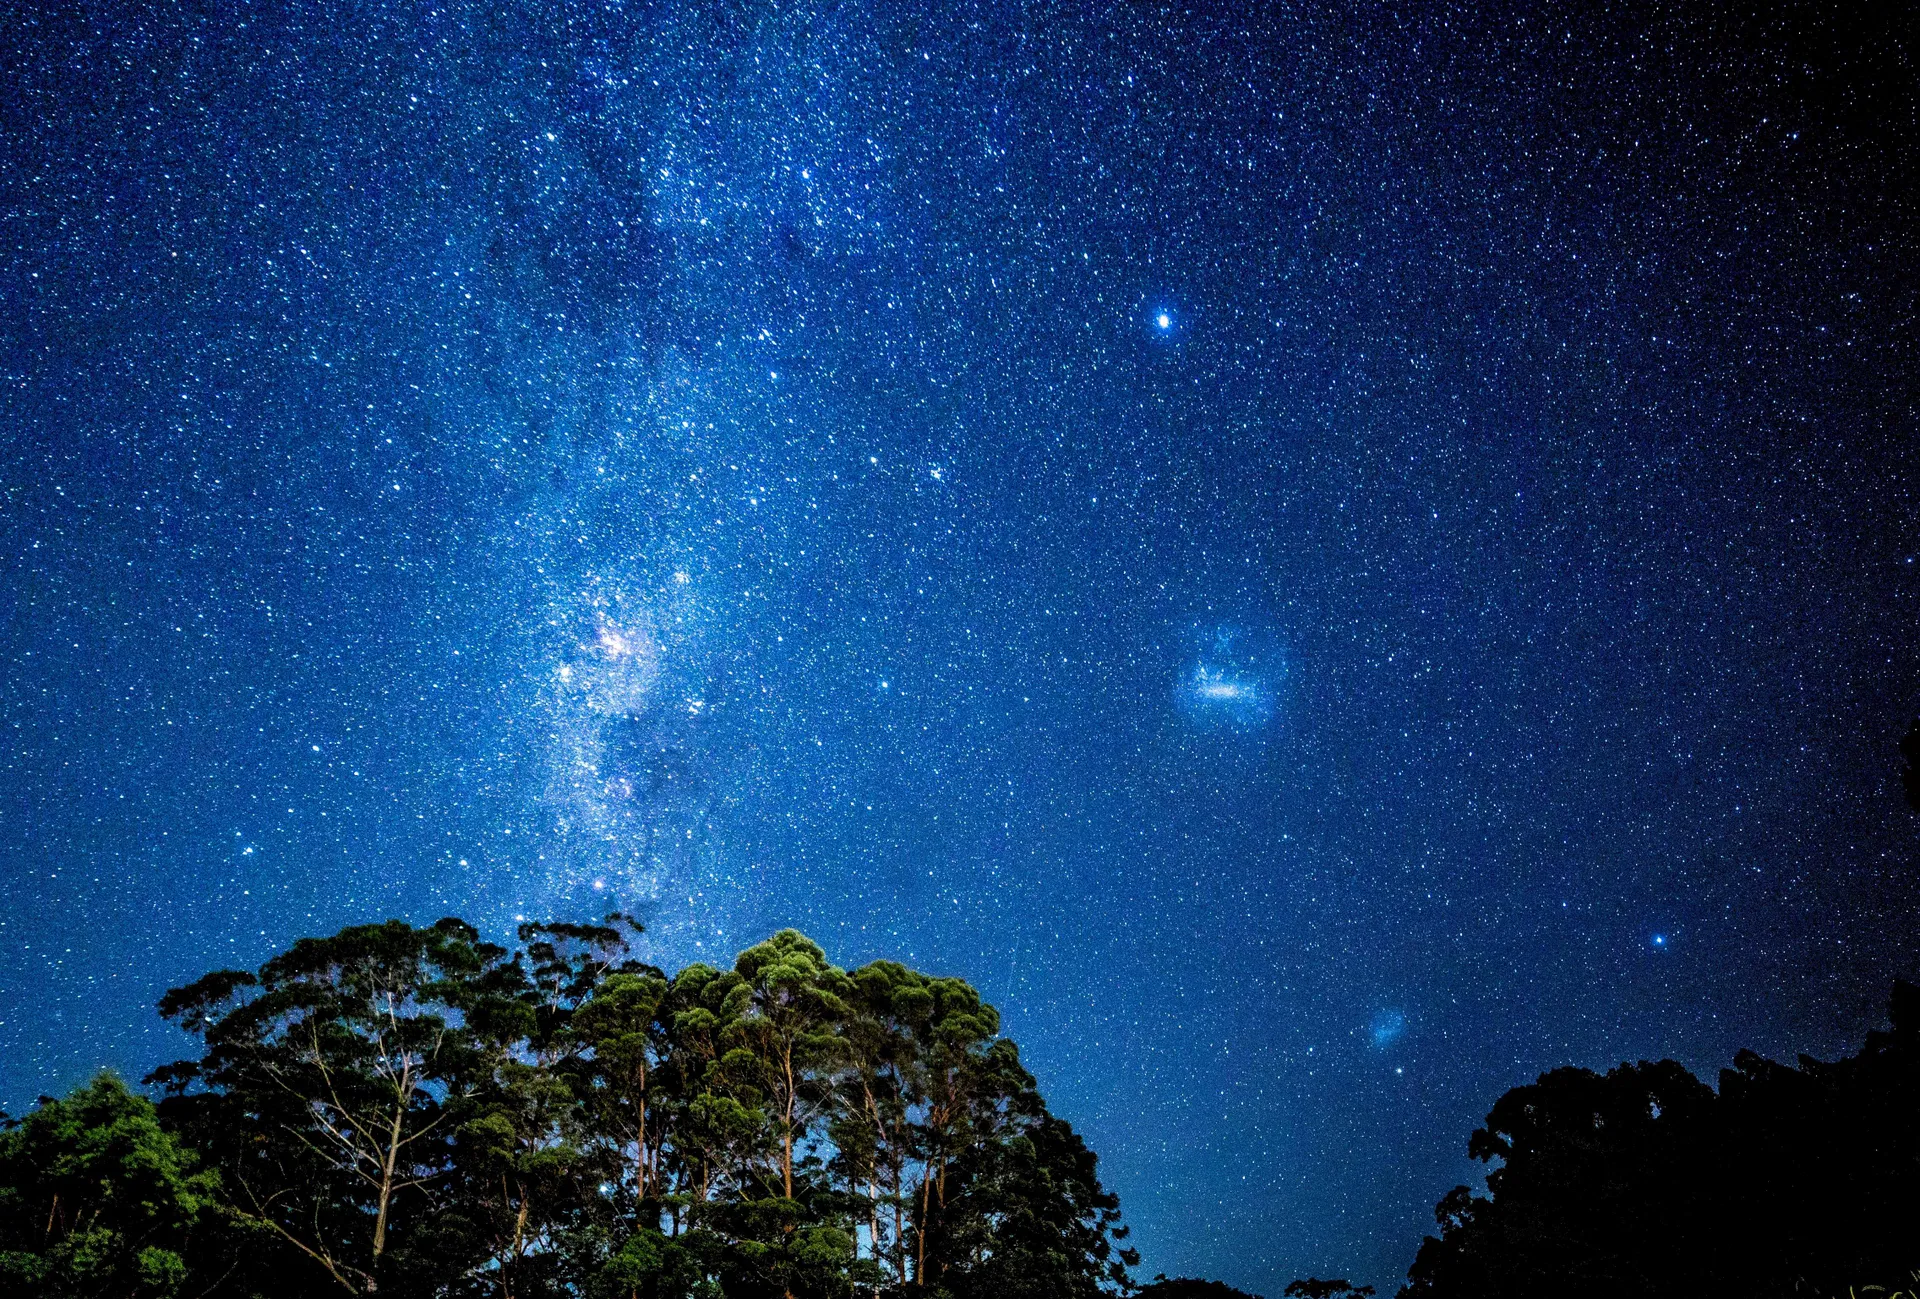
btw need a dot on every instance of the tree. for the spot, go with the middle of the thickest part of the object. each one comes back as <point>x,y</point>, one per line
<point>334,1082</point>
<point>1029,1219</point>
<point>620,1025</point>
<point>96,1200</point>
<point>1182,1287</point>
<point>543,1152</point>
<point>417,1112</point>
<point>1645,1180</point>
<point>789,1005</point>
<point>883,1084</point>
<point>1314,1288</point>
<point>518,1159</point>
<point>785,1013</point>
<point>966,1185</point>
<point>973,1092</point>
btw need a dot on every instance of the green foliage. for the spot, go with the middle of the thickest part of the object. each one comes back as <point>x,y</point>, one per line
<point>651,1265</point>
<point>415,1112</point>
<point>97,1200</point>
<point>334,1089</point>
<point>1028,1219</point>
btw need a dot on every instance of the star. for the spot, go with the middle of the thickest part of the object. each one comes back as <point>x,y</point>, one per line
<point>1289,637</point>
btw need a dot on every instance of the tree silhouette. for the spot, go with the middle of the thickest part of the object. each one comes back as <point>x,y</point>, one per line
<point>333,1085</point>
<point>1644,1180</point>
<point>1314,1288</point>
<point>1182,1287</point>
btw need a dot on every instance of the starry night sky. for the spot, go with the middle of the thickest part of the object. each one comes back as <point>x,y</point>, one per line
<point>1329,560</point>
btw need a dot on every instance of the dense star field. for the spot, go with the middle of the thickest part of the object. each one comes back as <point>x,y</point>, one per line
<point>1328,561</point>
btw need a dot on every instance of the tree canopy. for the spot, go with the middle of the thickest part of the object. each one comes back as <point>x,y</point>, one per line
<point>414,1111</point>
<point>1645,1180</point>
<point>96,1199</point>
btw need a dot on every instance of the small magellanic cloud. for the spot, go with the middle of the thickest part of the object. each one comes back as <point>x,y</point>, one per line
<point>1385,1028</point>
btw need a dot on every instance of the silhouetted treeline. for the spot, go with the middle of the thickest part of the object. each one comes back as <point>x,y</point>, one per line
<point>1789,1180</point>
<point>1186,1287</point>
<point>416,1112</point>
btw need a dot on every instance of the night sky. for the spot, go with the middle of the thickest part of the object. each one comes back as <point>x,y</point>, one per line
<point>1329,561</point>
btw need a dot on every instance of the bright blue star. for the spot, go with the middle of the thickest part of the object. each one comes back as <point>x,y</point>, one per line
<point>1163,320</point>
<point>1659,940</point>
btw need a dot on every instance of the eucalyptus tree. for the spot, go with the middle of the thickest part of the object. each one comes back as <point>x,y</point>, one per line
<point>784,1049</point>
<point>417,1112</point>
<point>333,1083</point>
<point>970,1080</point>
<point>714,1132</point>
<point>1027,1218</point>
<point>789,1005</point>
<point>621,1029</point>
<point>881,1090</point>
<point>529,1152</point>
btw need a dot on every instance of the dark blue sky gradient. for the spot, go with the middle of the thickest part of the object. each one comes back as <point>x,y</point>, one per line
<point>724,461</point>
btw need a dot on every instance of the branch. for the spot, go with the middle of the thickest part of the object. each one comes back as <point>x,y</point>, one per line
<point>351,1166</point>
<point>326,1076</point>
<point>317,1256</point>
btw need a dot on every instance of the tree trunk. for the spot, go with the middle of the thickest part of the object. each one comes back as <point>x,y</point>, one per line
<point>920,1243</point>
<point>640,1158</point>
<point>386,1178</point>
<point>786,1136</point>
<point>642,1170</point>
<point>873,1226</point>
